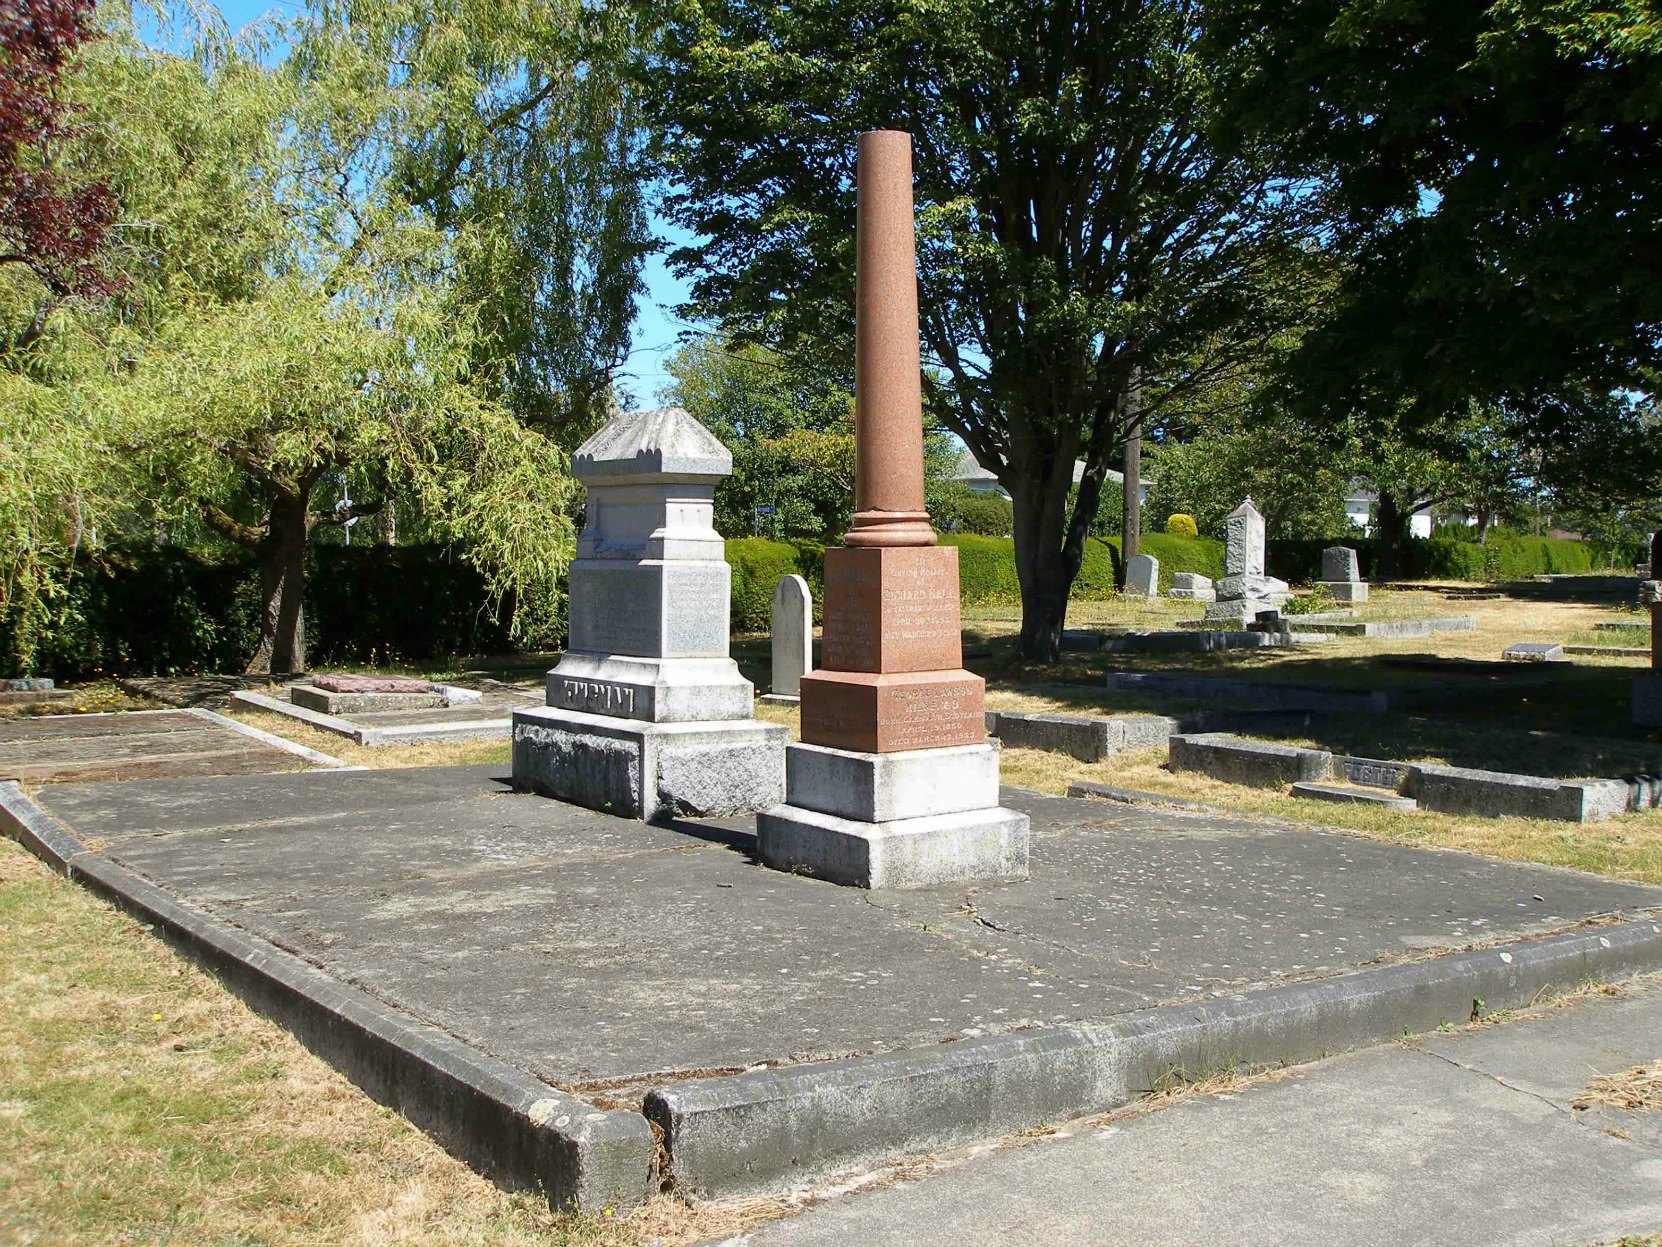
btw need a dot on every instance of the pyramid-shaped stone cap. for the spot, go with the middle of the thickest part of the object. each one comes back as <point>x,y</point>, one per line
<point>665,442</point>
<point>1246,508</point>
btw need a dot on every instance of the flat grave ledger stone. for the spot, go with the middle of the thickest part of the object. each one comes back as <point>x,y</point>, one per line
<point>1342,576</point>
<point>647,713</point>
<point>343,693</point>
<point>1142,575</point>
<point>793,639</point>
<point>891,710</point>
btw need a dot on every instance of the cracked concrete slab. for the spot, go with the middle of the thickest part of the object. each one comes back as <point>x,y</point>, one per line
<point>1554,1055</point>
<point>590,949</point>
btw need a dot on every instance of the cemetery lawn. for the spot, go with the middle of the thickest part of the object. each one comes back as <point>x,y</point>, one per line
<point>142,1103</point>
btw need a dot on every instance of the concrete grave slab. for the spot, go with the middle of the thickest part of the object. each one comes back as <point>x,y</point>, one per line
<point>612,958</point>
<point>143,744</point>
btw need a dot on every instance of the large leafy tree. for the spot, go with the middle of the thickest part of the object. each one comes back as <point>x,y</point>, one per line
<point>791,436</point>
<point>1500,167</point>
<point>1079,234</point>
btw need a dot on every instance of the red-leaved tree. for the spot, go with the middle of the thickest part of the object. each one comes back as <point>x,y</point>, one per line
<point>47,224</point>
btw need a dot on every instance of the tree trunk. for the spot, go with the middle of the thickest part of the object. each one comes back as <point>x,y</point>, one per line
<point>1131,503</point>
<point>1392,528</point>
<point>389,524</point>
<point>1050,545</point>
<point>282,648</point>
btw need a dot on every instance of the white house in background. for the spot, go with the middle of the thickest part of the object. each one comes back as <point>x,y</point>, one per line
<point>1362,498</point>
<point>972,475</point>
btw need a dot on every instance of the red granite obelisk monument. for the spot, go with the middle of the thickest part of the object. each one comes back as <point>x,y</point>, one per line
<point>891,673</point>
<point>895,782</point>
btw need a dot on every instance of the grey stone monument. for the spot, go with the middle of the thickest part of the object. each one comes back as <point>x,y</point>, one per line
<point>1245,591</point>
<point>1142,576</point>
<point>647,715</point>
<point>1193,586</point>
<point>1341,576</point>
<point>793,640</point>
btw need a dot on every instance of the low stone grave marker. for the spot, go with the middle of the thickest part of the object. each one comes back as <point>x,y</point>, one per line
<point>1341,576</point>
<point>31,688</point>
<point>1534,651</point>
<point>1192,586</point>
<point>1142,576</point>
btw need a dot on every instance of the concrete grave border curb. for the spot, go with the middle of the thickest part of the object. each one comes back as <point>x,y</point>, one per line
<point>270,738</point>
<point>519,1131</point>
<point>767,1131</point>
<point>372,737</point>
<point>1447,789</point>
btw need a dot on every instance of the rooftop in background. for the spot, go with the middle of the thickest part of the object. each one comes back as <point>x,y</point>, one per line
<point>972,475</point>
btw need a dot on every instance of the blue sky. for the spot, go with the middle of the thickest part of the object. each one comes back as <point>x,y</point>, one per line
<point>655,327</point>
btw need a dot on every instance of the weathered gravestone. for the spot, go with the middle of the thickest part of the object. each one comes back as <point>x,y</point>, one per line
<point>793,639</point>
<point>1646,705</point>
<point>1245,591</point>
<point>1192,586</point>
<point>895,783</point>
<point>647,715</point>
<point>1341,576</point>
<point>1142,576</point>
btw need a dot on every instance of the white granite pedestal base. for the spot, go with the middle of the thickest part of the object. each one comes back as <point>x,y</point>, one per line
<point>649,770</point>
<point>909,819</point>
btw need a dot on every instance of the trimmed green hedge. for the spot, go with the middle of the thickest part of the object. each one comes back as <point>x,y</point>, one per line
<point>986,568</point>
<point>758,563</point>
<point>1504,556</point>
<point>160,610</point>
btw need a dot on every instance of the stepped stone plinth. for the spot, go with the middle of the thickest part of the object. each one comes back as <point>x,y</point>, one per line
<point>647,714</point>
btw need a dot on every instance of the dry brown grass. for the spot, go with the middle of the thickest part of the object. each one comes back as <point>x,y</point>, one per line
<point>141,1103</point>
<point>1637,1090</point>
<point>437,753</point>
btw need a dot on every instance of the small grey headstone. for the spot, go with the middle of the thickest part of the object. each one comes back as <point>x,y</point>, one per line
<point>1534,651</point>
<point>793,636</point>
<point>1142,575</point>
<point>1339,564</point>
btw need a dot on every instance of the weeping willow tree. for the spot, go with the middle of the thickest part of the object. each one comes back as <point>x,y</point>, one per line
<point>321,279</point>
<point>236,413</point>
